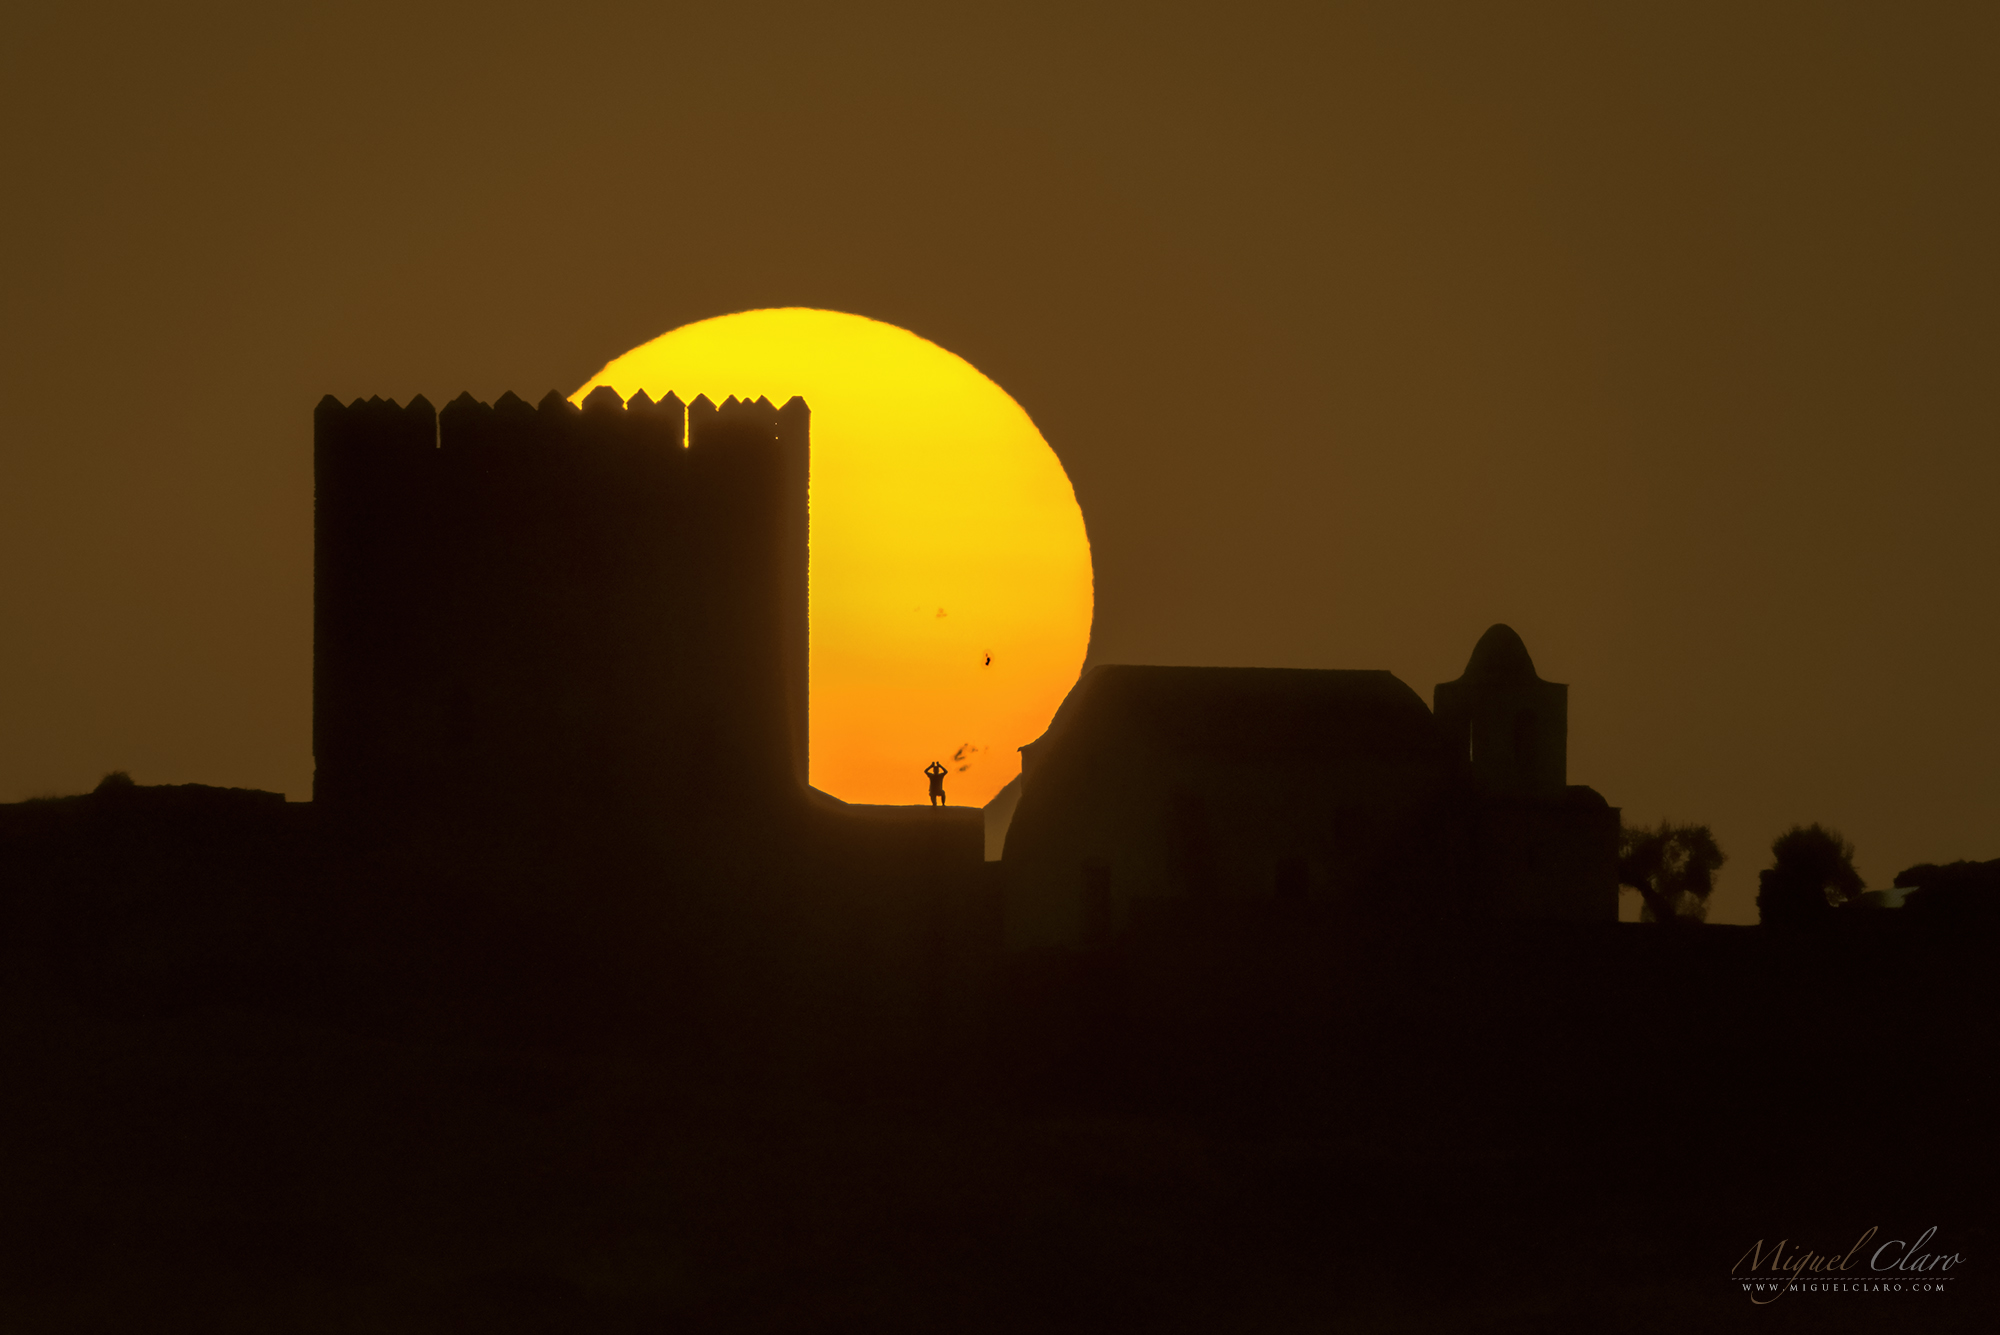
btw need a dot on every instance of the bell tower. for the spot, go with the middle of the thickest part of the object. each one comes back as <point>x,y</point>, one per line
<point>1507,726</point>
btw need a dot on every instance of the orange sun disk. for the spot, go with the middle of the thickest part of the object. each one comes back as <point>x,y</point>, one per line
<point>951,579</point>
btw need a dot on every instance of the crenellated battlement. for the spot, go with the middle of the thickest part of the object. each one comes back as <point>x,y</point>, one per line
<point>603,419</point>
<point>603,604</point>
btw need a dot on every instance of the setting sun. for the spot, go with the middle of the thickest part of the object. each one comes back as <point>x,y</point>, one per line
<point>951,579</point>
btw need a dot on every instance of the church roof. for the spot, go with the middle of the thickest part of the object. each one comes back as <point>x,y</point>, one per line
<point>1243,710</point>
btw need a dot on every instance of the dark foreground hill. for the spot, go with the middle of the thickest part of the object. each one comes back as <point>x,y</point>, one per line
<point>258,1083</point>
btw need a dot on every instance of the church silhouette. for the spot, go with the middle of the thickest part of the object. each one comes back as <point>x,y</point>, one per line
<point>1160,786</point>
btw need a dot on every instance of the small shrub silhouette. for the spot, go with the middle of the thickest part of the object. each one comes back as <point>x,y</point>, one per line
<point>1811,875</point>
<point>1673,869</point>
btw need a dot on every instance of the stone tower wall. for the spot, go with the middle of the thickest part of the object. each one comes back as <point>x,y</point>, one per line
<point>598,610</point>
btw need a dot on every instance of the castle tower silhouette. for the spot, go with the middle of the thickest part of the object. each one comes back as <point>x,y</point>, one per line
<point>548,613</point>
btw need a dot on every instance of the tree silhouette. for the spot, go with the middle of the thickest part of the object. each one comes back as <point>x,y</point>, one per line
<point>1673,869</point>
<point>1812,874</point>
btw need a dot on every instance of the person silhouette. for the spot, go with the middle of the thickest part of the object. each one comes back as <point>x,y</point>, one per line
<point>936,773</point>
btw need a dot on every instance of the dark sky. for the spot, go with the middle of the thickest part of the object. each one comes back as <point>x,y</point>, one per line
<point>1668,339</point>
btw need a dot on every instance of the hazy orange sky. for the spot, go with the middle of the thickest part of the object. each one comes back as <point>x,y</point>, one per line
<point>1667,338</point>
